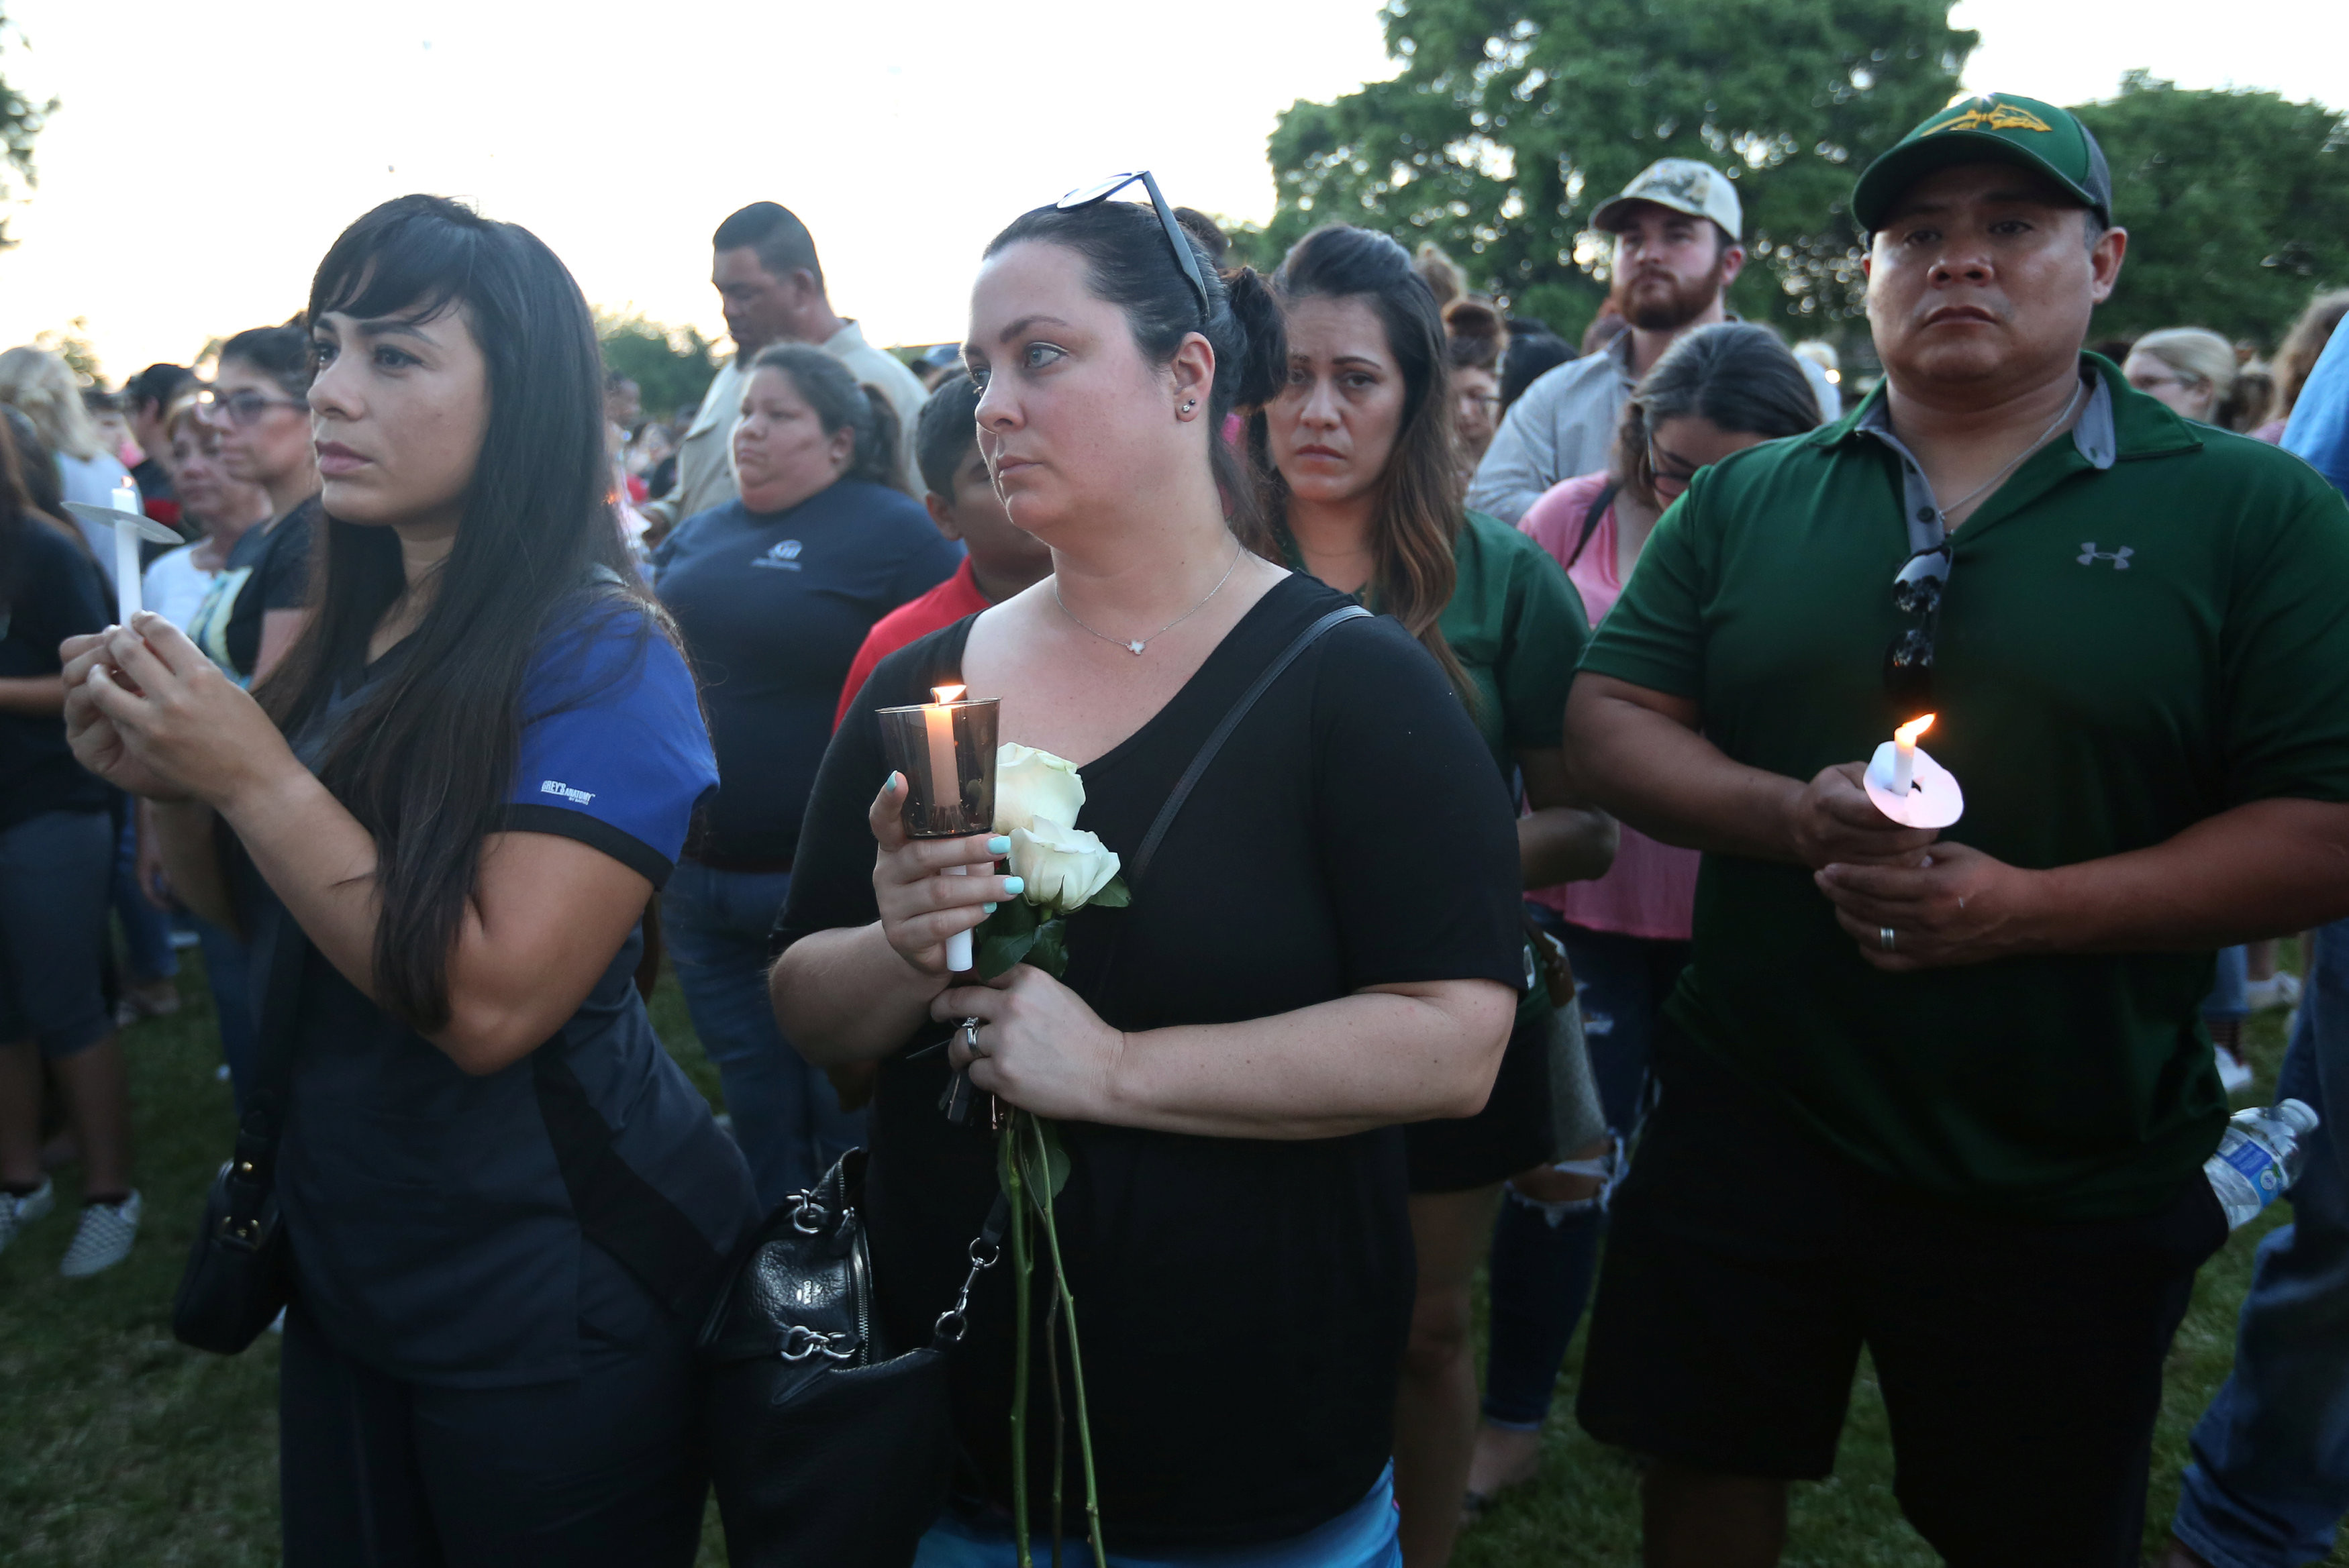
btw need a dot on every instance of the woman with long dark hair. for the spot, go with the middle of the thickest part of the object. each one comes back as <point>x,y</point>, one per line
<point>773,592</point>
<point>442,820</point>
<point>56,852</point>
<point>1357,450</point>
<point>1324,945</point>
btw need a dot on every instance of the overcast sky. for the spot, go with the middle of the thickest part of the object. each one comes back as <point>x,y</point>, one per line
<point>206,155</point>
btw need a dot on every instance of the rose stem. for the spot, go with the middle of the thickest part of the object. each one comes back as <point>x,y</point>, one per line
<point>1076,1356</point>
<point>1008,1162</point>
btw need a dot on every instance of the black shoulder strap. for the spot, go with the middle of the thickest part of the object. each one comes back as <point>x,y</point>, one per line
<point>1605,498</point>
<point>1223,732</point>
<point>618,1210</point>
<point>274,974</point>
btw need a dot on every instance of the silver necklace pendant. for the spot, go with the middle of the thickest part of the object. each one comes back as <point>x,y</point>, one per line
<point>1136,647</point>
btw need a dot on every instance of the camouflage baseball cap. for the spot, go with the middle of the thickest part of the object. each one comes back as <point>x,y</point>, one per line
<point>1990,128</point>
<point>1684,185</point>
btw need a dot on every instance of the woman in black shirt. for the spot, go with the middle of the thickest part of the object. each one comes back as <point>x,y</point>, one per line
<point>1325,945</point>
<point>56,851</point>
<point>258,603</point>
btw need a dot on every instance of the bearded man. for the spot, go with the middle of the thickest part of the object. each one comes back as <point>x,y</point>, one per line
<point>1676,232</point>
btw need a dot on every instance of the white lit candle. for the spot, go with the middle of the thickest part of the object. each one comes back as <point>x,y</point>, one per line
<point>126,556</point>
<point>1904,753</point>
<point>945,784</point>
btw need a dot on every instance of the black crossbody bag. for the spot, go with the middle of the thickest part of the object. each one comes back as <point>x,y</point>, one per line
<point>827,1446</point>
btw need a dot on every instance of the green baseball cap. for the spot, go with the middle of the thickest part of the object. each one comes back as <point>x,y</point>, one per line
<point>1990,128</point>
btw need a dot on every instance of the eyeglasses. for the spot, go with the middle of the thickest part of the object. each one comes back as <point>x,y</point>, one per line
<point>1088,195</point>
<point>1660,476</point>
<point>1909,659</point>
<point>242,408</point>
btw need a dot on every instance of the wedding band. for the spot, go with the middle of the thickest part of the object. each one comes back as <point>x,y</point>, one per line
<point>1884,937</point>
<point>970,1037</point>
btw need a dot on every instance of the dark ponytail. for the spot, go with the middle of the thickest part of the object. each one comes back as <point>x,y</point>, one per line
<point>842,402</point>
<point>1128,264</point>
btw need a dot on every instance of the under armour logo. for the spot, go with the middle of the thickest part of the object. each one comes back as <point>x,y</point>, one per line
<point>2090,555</point>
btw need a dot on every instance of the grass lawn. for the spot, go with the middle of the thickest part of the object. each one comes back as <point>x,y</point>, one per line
<point>123,1448</point>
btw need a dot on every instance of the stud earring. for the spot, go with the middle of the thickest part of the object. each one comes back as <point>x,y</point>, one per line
<point>1189,404</point>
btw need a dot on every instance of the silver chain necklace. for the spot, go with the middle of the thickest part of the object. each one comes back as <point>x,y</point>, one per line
<point>2016,461</point>
<point>1133,646</point>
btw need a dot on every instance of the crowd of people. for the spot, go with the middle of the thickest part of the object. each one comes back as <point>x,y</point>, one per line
<point>1543,907</point>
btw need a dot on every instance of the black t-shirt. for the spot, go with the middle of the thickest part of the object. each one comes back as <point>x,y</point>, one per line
<point>773,606</point>
<point>279,566</point>
<point>53,592</point>
<point>1243,1303</point>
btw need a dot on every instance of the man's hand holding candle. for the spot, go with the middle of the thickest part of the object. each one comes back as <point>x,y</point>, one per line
<point>1957,905</point>
<point>1833,821</point>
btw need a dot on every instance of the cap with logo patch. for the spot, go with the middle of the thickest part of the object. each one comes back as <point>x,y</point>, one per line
<point>1990,128</point>
<point>1682,185</point>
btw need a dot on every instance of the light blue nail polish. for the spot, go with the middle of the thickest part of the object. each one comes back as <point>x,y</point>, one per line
<point>987,907</point>
<point>998,845</point>
<point>1013,884</point>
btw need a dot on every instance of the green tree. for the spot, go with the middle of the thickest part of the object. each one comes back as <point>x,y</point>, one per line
<point>671,365</point>
<point>2237,205</point>
<point>1513,119</point>
<point>21,121</point>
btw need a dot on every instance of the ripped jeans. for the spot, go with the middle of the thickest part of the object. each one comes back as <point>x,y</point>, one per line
<point>1541,1271</point>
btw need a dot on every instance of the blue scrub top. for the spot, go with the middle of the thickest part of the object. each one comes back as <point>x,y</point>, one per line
<point>773,606</point>
<point>432,1234</point>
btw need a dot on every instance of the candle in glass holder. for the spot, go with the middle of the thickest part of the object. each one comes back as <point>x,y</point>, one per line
<point>946,750</point>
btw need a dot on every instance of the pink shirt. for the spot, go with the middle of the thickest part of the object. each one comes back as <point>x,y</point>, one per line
<point>1650,890</point>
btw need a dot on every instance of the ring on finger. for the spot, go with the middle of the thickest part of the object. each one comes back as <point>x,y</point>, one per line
<point>1885,936</point>
<point>970,1037</point>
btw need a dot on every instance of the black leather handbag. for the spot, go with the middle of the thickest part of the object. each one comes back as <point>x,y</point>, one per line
<point>827,1446</point>
<point>239,1275</point>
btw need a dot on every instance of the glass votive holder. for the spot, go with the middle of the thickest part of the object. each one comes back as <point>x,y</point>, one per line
<point>947,752</point>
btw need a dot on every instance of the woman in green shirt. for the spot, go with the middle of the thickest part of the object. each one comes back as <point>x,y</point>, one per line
<point>1355,452</point>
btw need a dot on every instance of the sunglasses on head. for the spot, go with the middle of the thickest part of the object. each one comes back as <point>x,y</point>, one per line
<point>1908,658</point>
<point>242,408</point>
<point>1089,195</point>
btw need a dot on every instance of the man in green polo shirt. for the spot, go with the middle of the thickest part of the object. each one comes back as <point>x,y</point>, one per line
<point>1947,1097</point>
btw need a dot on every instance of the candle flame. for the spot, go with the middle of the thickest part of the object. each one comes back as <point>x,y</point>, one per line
<point>1908,733</point>
<point>946,693</point>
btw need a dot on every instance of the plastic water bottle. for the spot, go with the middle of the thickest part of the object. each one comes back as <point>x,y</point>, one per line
<point>2259,1158</point>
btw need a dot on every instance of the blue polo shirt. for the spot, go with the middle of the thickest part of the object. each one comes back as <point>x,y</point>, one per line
<point>433,1234</point>
<point>773,606</point>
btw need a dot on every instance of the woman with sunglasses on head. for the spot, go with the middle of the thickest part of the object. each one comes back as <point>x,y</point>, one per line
<point>1324,944</point>
<point>440,822</point>
<point>1719,389</point>
<point>258,603</point>
<point>1357,453</point>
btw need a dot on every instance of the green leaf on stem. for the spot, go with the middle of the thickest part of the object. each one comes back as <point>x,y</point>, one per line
<point>1043,1162</point>
<point>1049,951</point>
<point>1113,894</point>
<point>1005,936</point>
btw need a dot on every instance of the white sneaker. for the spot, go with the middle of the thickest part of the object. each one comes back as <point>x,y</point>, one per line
<point>17,1212</point>
<point>102,1239</point>
<point>2280,989</point>
<point>2234,1072</point>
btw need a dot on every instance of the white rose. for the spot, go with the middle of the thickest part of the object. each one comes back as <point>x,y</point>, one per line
<point>1031,785</point>
<point>1062,867</point>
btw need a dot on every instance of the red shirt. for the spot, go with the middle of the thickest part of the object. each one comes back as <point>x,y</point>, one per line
<point>943,605</point>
